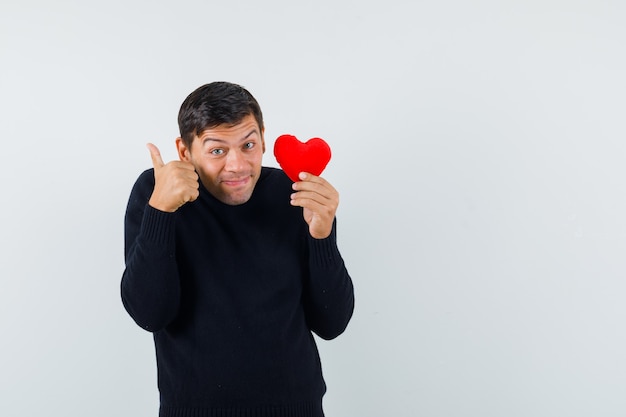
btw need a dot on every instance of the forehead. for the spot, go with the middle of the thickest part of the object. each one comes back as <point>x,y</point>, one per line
<point>244,128</point>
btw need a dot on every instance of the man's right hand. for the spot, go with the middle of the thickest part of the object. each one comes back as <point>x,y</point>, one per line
<point>175,183</point>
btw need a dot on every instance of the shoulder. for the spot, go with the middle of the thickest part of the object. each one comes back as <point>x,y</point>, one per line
<point>273,187</point>
<point>146,177</point>
<point>145,180</point>
<point>274,177</point>
<point>144,185</point>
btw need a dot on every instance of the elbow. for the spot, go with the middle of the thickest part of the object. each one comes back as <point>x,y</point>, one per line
<point>150,316</point>
<point>330,329</point>
<point>330,333</point>
<point>151,320</point>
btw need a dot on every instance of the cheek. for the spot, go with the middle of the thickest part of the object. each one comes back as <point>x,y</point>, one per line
<point>207,169</point>
<point>256,158</point>
<point>211,170</point>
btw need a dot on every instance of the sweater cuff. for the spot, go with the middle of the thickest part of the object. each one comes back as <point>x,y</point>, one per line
<point>158,226</point>
<point>324,252</point>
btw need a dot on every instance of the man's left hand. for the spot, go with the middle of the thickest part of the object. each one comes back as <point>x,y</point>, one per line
<point>319,201</point>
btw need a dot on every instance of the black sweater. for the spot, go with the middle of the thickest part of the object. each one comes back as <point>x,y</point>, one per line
<point>232,294</point>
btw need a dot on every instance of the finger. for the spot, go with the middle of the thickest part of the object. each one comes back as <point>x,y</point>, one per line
<point>306,203</point>
<point>322,189</point>
<point>306,176</point>
<point>302,196</point>
<point>325,190</point>
<point>184,166</point>
<point>309,180</point>
<point>194,196</point>
<point>326,209</point>
<point>155,154</point>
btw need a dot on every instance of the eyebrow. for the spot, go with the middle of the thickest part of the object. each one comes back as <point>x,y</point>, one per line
<point>205,140</point>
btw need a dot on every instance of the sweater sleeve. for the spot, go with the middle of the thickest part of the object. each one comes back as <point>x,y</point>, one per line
<point>329,293</point>
<point>150,286</point>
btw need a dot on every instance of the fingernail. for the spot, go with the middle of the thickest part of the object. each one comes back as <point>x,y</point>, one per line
<point>302,176</point>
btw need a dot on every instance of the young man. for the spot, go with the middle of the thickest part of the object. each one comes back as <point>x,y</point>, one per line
<point>232,266</point>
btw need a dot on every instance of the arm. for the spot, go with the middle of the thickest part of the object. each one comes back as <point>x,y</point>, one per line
<point>329,293</point>
<point>150,284</point>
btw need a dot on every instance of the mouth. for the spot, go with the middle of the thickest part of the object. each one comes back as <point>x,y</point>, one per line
<point>236,182</point>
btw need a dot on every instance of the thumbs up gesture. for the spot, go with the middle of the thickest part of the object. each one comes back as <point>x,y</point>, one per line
<point>175,183</point>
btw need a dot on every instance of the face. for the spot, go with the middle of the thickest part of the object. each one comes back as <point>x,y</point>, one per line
<point>227,159</point>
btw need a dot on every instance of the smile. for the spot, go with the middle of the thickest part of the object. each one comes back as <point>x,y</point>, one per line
<point>238,182</point>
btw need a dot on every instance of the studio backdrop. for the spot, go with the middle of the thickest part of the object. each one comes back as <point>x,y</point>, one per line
<point>479,152</point>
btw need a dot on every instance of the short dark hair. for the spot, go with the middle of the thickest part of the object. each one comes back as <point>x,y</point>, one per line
<point>215,104</point>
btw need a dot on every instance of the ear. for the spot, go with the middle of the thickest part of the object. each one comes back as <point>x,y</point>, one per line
<point>263,139</point>
<point>184,153</point>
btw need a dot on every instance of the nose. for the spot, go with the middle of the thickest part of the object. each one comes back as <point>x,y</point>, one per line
<point>235,161</point>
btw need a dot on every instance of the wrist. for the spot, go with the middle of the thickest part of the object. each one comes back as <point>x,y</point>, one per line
<point>157,204</point>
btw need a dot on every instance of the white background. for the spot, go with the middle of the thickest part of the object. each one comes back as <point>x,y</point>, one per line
<point>478,146</point>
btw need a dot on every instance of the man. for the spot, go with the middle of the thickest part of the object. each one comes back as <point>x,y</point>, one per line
<point>232,266</point>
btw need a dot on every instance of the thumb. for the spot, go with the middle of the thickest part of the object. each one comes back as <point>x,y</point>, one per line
<point>157,161</point>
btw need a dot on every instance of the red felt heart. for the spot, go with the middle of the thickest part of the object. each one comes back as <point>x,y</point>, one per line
<point>295,157</point>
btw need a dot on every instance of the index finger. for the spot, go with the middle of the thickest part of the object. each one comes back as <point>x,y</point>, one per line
<point>308,177</point>
<point>312,182</point>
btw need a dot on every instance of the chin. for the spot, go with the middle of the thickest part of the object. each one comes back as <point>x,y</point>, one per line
<point>235,200</point>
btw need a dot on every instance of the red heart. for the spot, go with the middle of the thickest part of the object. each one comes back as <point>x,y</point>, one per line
<point>295,157</point>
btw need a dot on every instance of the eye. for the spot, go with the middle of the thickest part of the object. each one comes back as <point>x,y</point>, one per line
<point>248,145</point>
<point>217,152</point>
